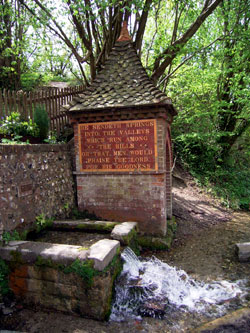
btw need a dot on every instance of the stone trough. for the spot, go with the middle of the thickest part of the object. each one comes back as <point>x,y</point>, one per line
<point>68,278</point>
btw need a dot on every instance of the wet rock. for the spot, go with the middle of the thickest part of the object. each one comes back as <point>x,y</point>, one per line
<point>154,309</point>
<point>135,281</point>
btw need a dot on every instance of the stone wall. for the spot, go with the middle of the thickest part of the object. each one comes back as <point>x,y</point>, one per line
<point>34,180</point>
<point>53,289</point>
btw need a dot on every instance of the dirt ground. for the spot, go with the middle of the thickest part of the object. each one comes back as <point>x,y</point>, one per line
<point>204,247</point>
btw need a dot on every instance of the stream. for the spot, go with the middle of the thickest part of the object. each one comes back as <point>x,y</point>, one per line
<point>149,287</point>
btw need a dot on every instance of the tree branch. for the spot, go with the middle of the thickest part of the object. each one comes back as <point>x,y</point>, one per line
<point>60,34</point>
<point>142,26</point>
<point>155,33</point>
<point>171,52</point>
<point>79,26</point>
<point>186,59</point>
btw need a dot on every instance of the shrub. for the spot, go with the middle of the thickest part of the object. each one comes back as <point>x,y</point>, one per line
<point>41,119</point>
<point>229,181</point>
<point>14,126</point>
<point>31,80</point>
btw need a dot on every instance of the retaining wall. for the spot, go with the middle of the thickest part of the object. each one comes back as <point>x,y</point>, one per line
<point>34,180</point>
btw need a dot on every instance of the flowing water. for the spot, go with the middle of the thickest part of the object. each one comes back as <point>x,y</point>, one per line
<point>152,288</point>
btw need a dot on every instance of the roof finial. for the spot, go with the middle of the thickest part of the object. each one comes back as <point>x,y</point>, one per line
<point>124,35</point>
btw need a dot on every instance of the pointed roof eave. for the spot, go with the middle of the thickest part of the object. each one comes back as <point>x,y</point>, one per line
<point>122,83</point>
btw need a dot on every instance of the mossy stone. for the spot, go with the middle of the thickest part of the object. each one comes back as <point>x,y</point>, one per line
<point>159,243</point>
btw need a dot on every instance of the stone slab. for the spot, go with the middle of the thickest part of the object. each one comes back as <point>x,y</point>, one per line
<point>29,251</point>
<point>124,231</point>
<point>84,225</point>
<point>103,252</point>
<point>243,251</point>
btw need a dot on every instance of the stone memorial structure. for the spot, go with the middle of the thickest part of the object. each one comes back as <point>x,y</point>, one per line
<point>123,144</point>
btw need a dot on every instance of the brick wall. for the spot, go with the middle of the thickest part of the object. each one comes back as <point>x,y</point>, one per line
<point>122,197</point>
<point>34,179</point>
<point>128,196</point>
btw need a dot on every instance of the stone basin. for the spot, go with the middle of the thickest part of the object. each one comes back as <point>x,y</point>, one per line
<point>63,277</point>
<point>70,278</point>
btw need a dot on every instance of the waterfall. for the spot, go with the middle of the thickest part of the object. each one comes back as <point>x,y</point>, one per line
<point>150,286</point>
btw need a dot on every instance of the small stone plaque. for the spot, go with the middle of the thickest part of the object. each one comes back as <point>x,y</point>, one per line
<point>118,146</point>
<point>25,189</point>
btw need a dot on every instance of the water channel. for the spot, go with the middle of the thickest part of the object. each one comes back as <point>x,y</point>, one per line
<point>152,288</point>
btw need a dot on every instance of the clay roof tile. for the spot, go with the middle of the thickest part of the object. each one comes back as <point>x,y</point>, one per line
<point>122,82</point>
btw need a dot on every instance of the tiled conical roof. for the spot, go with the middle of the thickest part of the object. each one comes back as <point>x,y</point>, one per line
<point>123,82</point>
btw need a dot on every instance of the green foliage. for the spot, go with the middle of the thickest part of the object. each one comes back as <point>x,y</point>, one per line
<point>229,181</point>
<point>10,236</point>
<point>14,126</point>
<point>30,80</point>
<point>51,139</point>
<point>15,140</point>
<point>4,272</point>
<point>14,236</point>
<point>11,43</point>
<point>41,119</point>
<point>196,151</point>
<point>42,222</point>
<point>84,269</point>
<point>34,78</point>
<point>210,133</point>
<point>231,185</point>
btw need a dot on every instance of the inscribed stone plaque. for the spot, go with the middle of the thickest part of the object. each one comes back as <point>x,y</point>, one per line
<point>118,146</point>
<point>25,189</point>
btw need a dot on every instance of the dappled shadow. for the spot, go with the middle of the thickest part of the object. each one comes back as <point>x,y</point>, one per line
<point>196,210</point>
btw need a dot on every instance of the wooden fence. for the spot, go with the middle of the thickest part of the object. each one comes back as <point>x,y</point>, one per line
<point>52,99</point>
